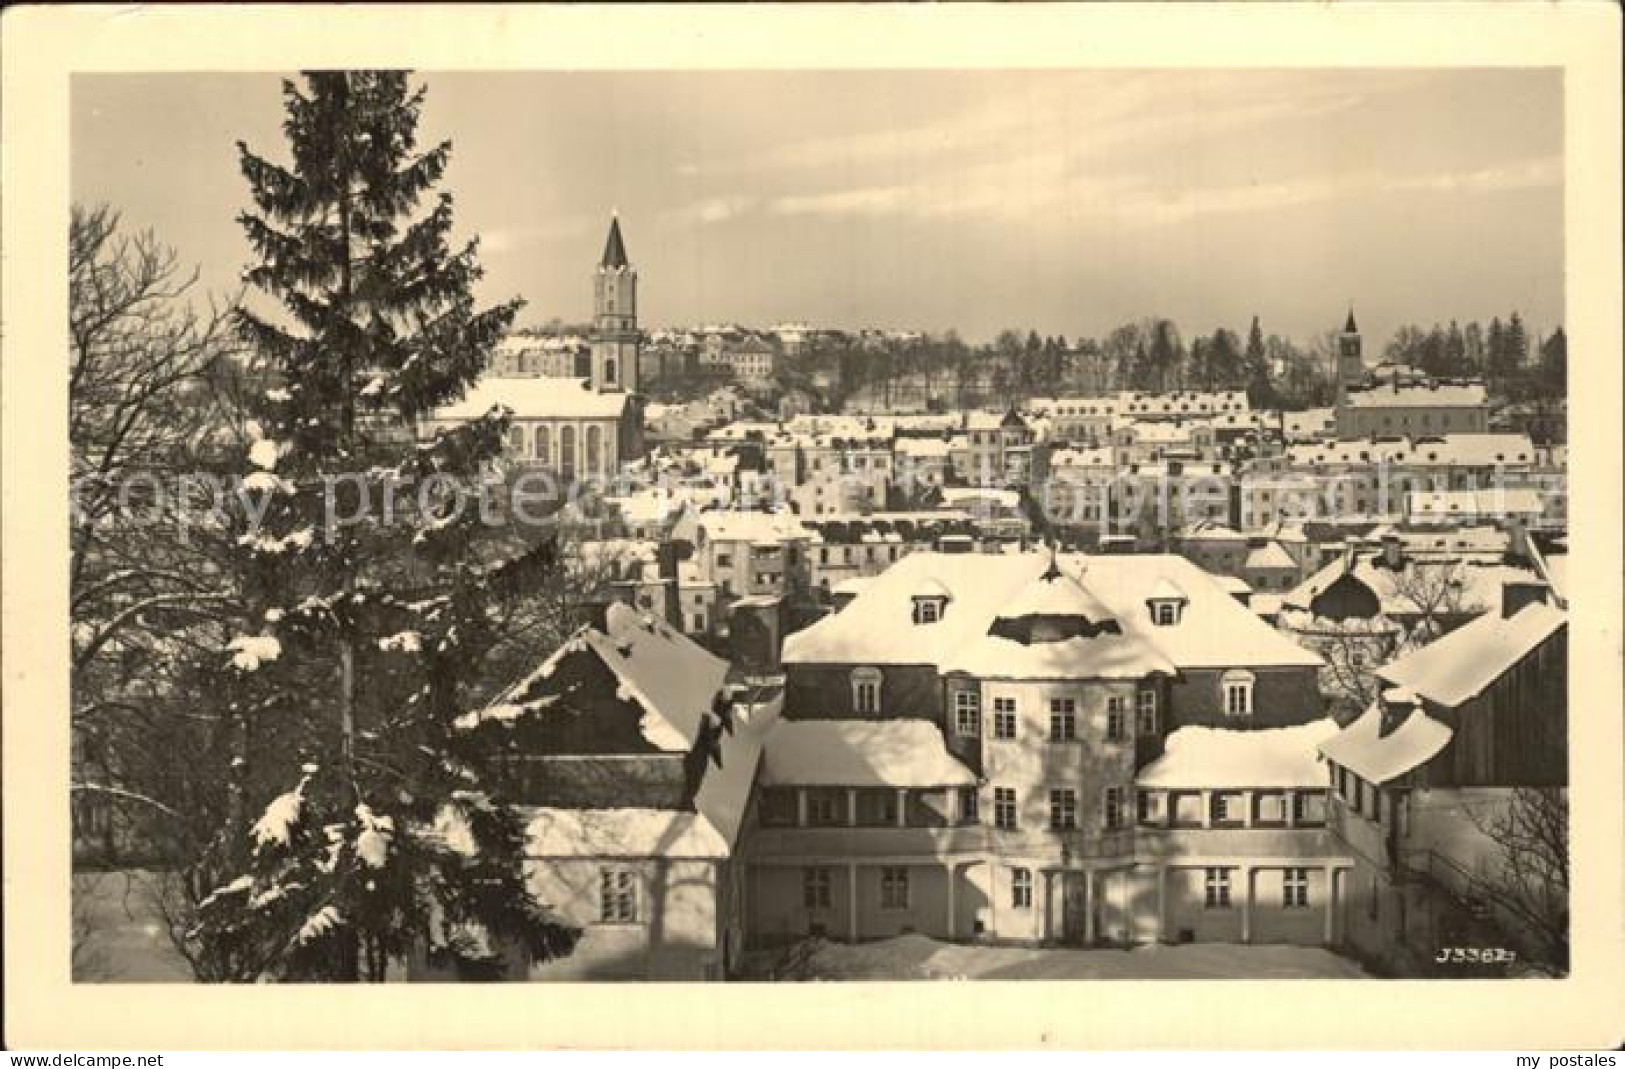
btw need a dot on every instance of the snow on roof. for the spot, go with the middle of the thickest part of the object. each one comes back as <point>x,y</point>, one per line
<point>1206,757</point>
<point>671,677</point>
<point>1270,555</point>
<point>1448,450</point>
<point>1425,395</point>
<point>1484,502</point>
<point>1234,584</point>
<point>621,833</point>
<point>1055,593</point>
<point>1163,590</point>
<point>957,495</point>
<point>1213,631</point>
<point>1458,667</point>
<point>539,398</point>
<point>1105,656</point>
<point>1477,584</point>
<point>728,525</point>
<point>861,753</point>
<point>1098,457</point>
<point>1378,758</point>
<point>921,447</point>
<point>724,792</point>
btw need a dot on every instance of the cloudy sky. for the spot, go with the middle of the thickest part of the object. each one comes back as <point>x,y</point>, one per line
<point>1066,201</point>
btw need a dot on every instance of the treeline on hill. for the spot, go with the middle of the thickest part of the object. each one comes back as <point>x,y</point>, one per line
<point>1500,353</point>
<point>1152,354</point>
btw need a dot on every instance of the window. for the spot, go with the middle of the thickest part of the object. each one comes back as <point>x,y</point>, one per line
<point>969,805</point>
<point>1021,888</point>
<point>1063,719</point>
<point>1295,888</point>
<point>1219,808</point>
<point>1114,807</point>
<point>595,449</point>
<point>815,888</point>
<point>1147,712</point>
<point>724,560</point>
<point>967,712</point>
<point>1116,718</point>
<point>567,452</point>
<point>1004,718</point>
<point>1216,887</point>
<point>1063,809</point>
<point>822,809</point>
<point>928,611</point>
<point>542,443</point>
<point>1301,813</point>
<point>1237,688</point>
<point>1004,808</point>
<point>866,690</point>
<point>618,896</point>
<point>894,888</point>
<point>1142,806</point>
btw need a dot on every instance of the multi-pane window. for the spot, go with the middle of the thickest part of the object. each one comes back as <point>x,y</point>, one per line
<point>1116,718</point>
<point>815,888</point>
<point>1238,693</point>
<point>1063,719</point>
<point>618,896</point>
<point>1004,718</point>
<point>893,888</point>
<point>1220,807</point>
<point>969,806</point>
<point>866,690</point>
<point>967,712</point>
<point>1114,807</point>
<point>1142,806</point>
<point>1021,888</point>
<point>1004,807</point>
<point>1063,808</point>
<point>1147,712</point>
<point>1295,888</point>
<point>1216,887</point>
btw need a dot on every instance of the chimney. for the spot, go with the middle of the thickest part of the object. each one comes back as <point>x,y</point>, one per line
<point>1393,555</point>
<point>1520,593</point>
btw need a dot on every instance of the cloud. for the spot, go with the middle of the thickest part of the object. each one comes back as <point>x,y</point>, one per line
<point>870,200</point>
<point>710,210</point>
<point>1545,171</point>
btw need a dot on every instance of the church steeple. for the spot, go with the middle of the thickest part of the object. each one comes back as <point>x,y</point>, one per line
<point>1349,327</point>
<point>614,247</point>
<point>615,317</point>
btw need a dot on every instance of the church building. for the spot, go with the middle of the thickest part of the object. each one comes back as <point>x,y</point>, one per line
<point>579,427</point>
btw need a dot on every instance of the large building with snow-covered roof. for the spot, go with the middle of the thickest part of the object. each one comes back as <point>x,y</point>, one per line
<point>1034,690</point>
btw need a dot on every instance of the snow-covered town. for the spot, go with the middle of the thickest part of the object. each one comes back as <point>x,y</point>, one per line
<point>798,650</point>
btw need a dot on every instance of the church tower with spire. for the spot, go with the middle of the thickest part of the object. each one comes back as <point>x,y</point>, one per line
<point>1350,361</point>
<point>615,318</point>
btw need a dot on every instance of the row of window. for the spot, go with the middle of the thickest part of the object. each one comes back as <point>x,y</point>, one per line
<point>541,441</point>
<point>1063,716</point>
<point>1063,809</point>
<point>817,888</point>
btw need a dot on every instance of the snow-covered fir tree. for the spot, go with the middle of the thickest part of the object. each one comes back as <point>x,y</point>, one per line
<point>371,596</point>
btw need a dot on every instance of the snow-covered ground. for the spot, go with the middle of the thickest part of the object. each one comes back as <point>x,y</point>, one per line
<point>917,957</point>
<point>119,932</point>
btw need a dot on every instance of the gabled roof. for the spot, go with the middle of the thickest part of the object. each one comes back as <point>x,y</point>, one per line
<point>1459,666</point>
<point>672,678</point>
<point>1377,758</point>
<point>614,248</point>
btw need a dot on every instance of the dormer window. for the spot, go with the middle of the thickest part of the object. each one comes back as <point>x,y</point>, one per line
<point>1167,603</point>
<point>929,610</point>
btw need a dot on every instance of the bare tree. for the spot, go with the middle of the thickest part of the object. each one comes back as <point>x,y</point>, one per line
<point>1527,884</point>
<point>149,385</point>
